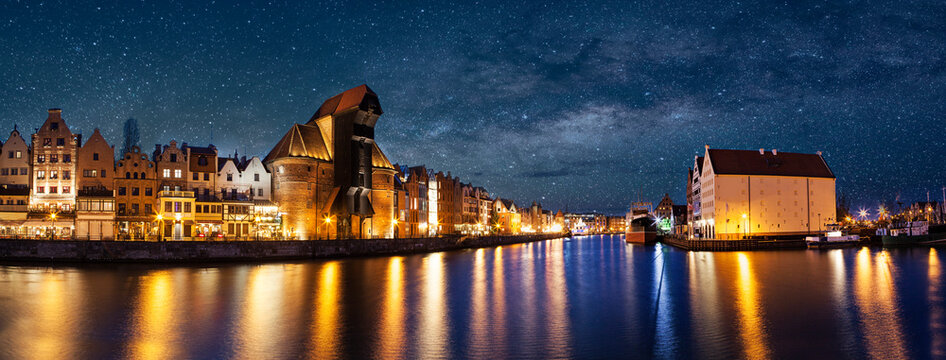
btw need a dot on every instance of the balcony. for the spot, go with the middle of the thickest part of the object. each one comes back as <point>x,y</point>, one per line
<point>14,208</point>
<point>176,193</point>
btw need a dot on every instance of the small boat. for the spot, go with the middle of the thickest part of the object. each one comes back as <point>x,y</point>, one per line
<point>912,233</point>
<point>832,239</point>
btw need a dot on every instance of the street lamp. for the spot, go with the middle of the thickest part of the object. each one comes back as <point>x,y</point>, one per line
<point>256,221</point>
<point>160,220</point>
<point>328,220</point>
<point>394,222</point>
<point>52,224</point>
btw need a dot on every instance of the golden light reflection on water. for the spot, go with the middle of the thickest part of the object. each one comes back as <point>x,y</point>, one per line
<point>479,316</point>
<point>260,314</point>
<point>391,344</point>
<point>49,336</point>
<point>557,292</point>
<point>935,294</point>
<point>751,326</point>
<point>497,331</point>
<point>704,298</point>
<point>874,295</point>
<point>432,339</point>
<point>155,332</point>
<point>324,344</point>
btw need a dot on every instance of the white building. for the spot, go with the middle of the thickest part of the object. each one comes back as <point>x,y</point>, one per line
<point>243,178</point>
<point>15,160</point>
<point>759,193</point>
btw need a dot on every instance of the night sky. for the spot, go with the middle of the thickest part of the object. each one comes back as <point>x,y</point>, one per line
<point>578,103</point>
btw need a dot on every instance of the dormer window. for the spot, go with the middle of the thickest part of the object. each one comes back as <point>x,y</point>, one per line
<point>54,125</point>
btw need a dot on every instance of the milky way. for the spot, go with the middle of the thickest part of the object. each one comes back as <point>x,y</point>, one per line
<point>582,104</point>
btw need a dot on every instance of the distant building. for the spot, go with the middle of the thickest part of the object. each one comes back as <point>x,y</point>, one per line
<point>664,209</point>
<point>15,160</point>
<point>449,203</point>
<point>759,193</point>
<point>694,230</point>
<point>507,219</point>
<point>136,188</point>
<point>171,164</point>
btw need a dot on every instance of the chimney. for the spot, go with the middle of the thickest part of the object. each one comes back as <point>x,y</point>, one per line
<point>761,151</point>
<point>774,151</point>
<point>818,152</point>
<point>706,146</point>
<point>55,113</point>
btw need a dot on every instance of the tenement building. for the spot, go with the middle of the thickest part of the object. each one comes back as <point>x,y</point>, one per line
<point>15,161</point>
<point>95,202</point>
<point>53,197</point>
<point>764,193</point>
<point>330,178</point>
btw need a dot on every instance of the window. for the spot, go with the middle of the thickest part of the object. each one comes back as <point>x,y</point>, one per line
<point>167,206</point>
<point>148,209</point>
<point>206,176</point>
<point>40,174</point>
<point>199,209</point>
<point>61,142</point>
<point>173,157</point>
<point>54,125</point>
<point>135,175</point>
<point>67,158</point>
<point>47,141</point>
<point>103,173</point>
<point>95,156</point>
<point>121,190</point>
<point>167,173</point>
<point>256,177</point>
<point>187,207</point>
<point>177,206</point>
<point>54,158</point>
<point>40,159</point>
<point>229,177</point>
<point>135,191</point>
<point>13,171</point>
<point>19,154</point>
<point>66,189</point>
<point>53,174</point>
<point>177,173</point>
<point>142,175</point>
<point>127,175</point>
<point>134,209</point>
<point>259,192</point>
<point>40,189</point>
<point>22,171</point>
<point>202,161</point>
<point>148,192</point>
<point>53,190</point>
<point>67,174</point>
<point>5,171</point>
<point>194,176</point>
<point>10,155</point>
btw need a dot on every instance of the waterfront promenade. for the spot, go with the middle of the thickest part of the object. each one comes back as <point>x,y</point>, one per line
<point>205,251</point>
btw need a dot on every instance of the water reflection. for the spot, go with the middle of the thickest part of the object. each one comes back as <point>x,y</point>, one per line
<point>590,297</point>
<point>155,331</point>
<point>752,331</point>
<point>874,294</point>
<point>935,294</point>
<point>432,337</point>
<point>325,330</point>
<point>392,315</point>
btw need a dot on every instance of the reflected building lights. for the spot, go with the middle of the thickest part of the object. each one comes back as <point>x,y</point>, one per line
<point>557,292</point>
<point>261,315</point>
<point>935,297</point>
<point>326,330</point>
<point>875,303</point>
<point>751,323</point>
<point>392,316</point>
<point>479,316</point>
<point>155,329</point>
<point>433,323</point>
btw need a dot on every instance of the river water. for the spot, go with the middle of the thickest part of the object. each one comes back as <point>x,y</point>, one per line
<point>584,297</point>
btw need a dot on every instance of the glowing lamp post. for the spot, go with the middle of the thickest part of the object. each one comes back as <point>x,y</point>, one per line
<point>328,220</point>
<point>52,223</point>
<point>160,220</point>
<point>746,218</point>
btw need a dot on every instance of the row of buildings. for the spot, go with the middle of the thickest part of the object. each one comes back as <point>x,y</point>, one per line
<point>326,178</point>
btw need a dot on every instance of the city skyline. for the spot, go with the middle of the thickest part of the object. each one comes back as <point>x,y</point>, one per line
<point>568,105</point>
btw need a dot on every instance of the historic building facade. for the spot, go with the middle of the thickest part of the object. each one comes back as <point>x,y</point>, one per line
<point>15,160</point>
<point>95,200</point>
<point>171,165</point>
<point>765,193</point>
<point>136,189</point>
<point>330,177</point>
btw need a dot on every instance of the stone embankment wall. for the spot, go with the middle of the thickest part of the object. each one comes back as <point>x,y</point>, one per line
<point>733,245</point>
<point>197,251</point>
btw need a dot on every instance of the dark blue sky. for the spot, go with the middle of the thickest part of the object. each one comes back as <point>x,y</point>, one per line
<point>571,103</point>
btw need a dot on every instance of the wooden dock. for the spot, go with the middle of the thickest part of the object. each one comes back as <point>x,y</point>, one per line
<point>733,245</point>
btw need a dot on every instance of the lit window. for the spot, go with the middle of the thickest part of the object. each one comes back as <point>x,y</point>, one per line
<point>167,173</point>
<point>177,173</point>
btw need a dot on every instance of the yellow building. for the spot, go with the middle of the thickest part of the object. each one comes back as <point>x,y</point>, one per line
<point>764,193</point>
<point>175,214</point>
<point>506,217</point>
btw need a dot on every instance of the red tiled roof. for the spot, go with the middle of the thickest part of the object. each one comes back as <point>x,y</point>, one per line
<point>749,162</point>
<point>360,96</point>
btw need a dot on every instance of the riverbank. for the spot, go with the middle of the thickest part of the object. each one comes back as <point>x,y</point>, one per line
<point>202,251</point>
<point>734,245</point>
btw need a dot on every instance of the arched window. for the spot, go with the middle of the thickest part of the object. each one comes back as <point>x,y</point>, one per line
<point>143,175</point>
<point>127,175</point>
<point>136,175</point>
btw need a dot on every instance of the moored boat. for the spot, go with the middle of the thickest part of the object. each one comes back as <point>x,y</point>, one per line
<point>912,233</point>
<point>641,231</point>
